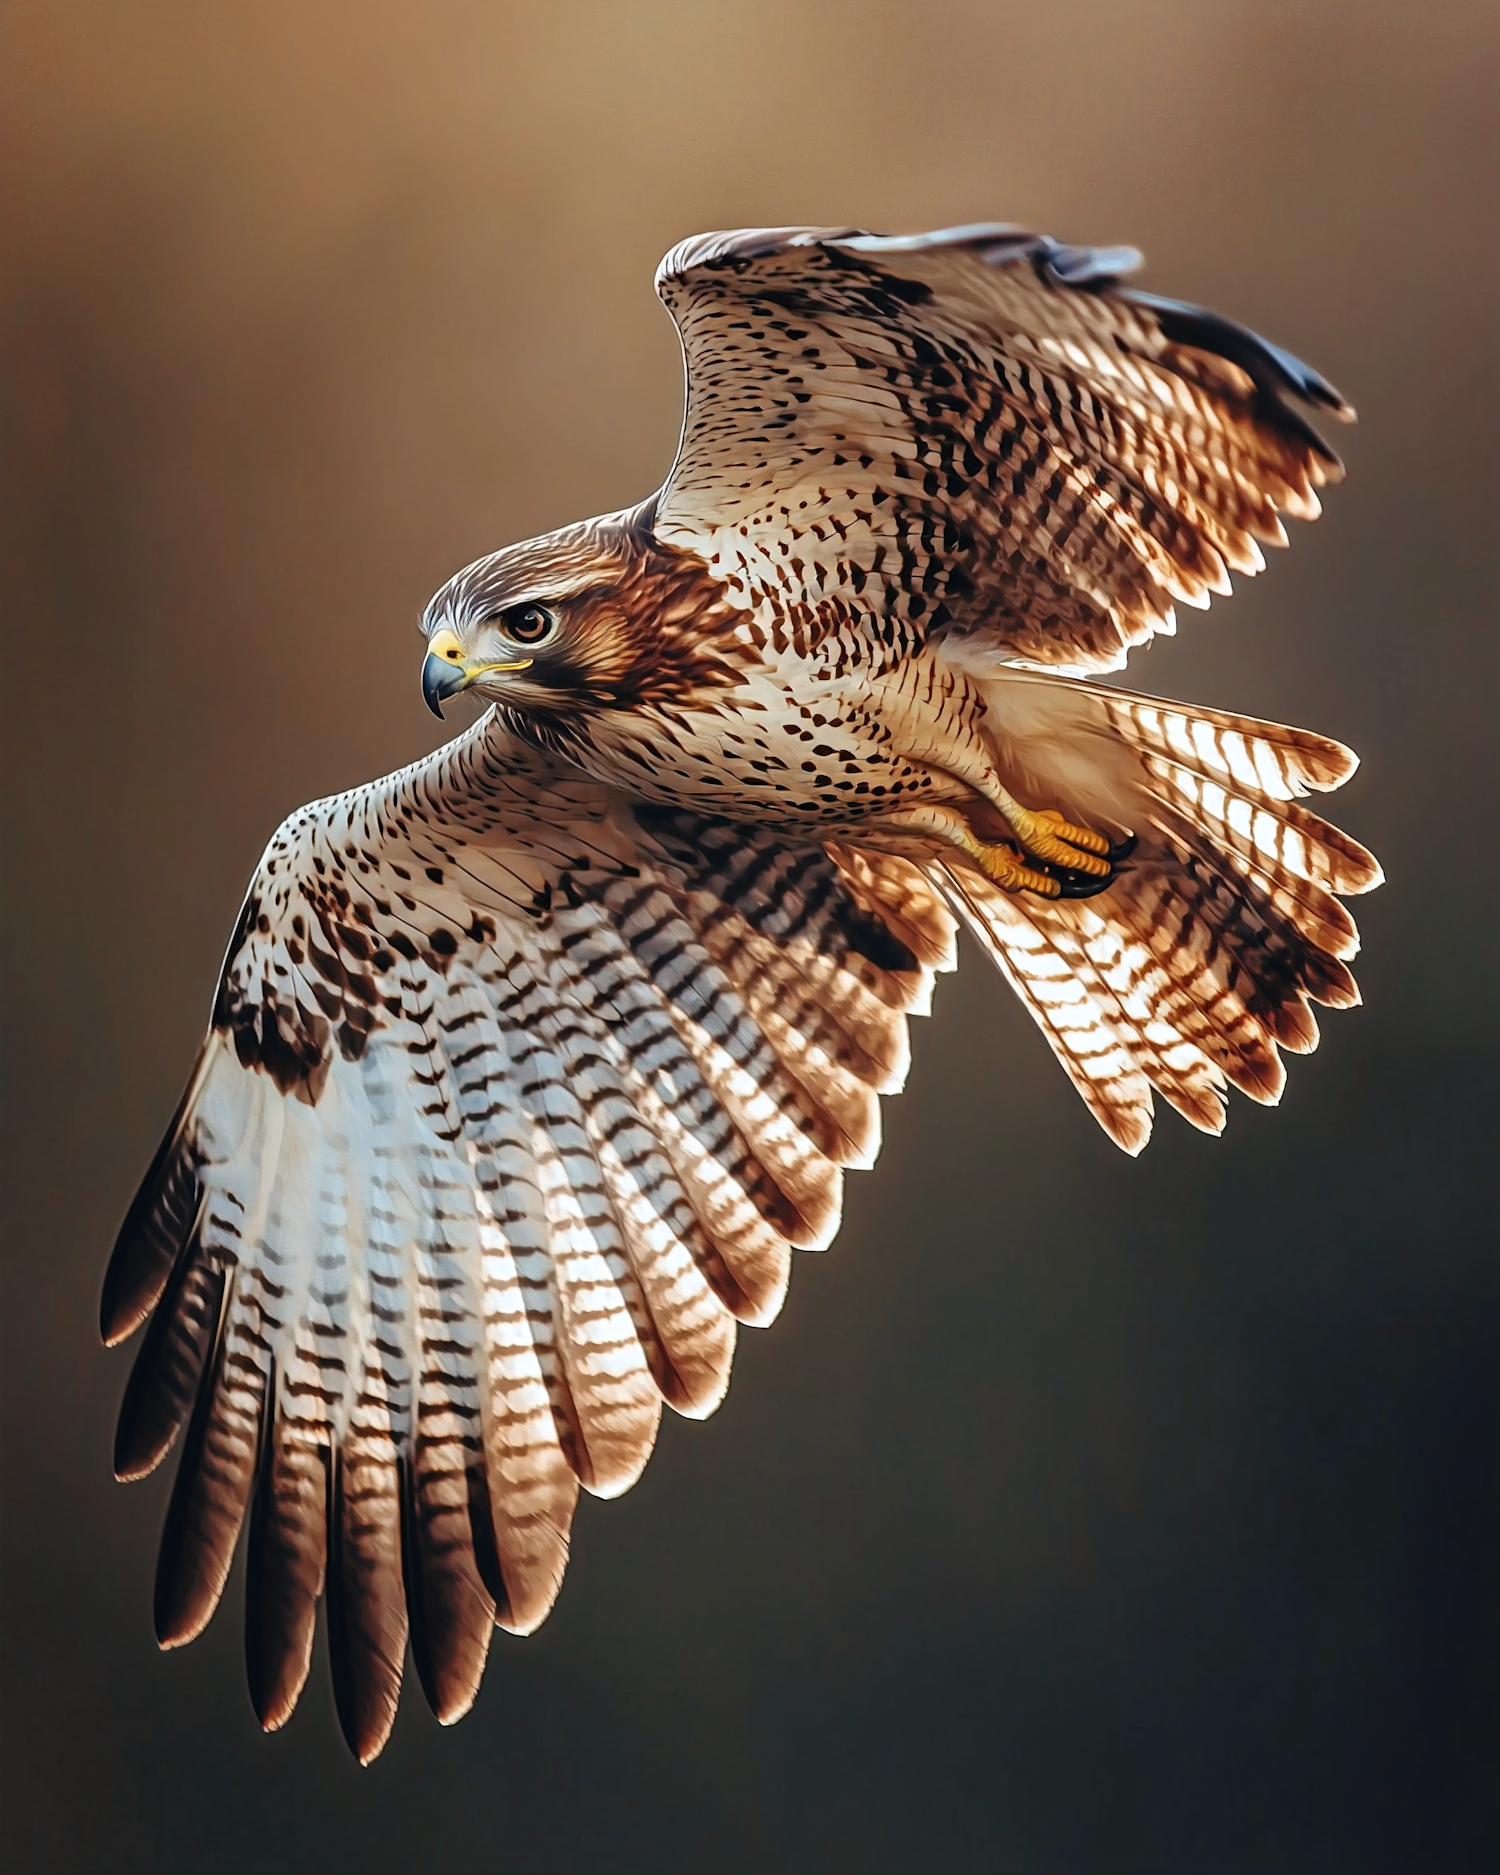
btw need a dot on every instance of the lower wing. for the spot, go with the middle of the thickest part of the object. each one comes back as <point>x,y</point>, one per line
<point>516,1100</point>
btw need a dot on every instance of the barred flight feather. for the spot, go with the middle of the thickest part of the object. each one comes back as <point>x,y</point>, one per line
<point>410,1314</point>
<point>1054,459</point>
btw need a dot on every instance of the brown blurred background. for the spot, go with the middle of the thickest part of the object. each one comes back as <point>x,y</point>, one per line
<point>1179,1552</point>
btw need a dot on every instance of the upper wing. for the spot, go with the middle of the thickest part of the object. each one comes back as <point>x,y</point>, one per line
<point>515,1099</point>
<point>975,429</point>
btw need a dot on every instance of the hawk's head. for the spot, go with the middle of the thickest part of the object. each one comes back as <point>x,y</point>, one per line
<point>596,616</point>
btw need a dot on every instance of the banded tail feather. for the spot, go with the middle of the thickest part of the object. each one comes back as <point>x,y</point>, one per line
<point>1199,963</point>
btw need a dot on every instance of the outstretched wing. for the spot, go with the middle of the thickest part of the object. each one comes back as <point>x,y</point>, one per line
<point>515,1100</point>
<point>974,430</point>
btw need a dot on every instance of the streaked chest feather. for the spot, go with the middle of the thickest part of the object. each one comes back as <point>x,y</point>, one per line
<point>827,741</point>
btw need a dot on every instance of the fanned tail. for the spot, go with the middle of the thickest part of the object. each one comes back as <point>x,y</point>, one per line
<point>1198,965</point>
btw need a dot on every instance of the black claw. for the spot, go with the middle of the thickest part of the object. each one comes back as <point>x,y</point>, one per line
<point>1073,883</point>
<point>1079,884</point>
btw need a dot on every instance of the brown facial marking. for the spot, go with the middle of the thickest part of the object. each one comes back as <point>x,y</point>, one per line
<point>642,623</point>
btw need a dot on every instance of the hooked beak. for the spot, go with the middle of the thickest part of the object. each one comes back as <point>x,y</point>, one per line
<point>446,671</point>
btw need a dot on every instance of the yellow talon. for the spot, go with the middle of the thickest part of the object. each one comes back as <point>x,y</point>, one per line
<point>1046,835</point>
<point>1005,868</point>
<point>1089,838</point>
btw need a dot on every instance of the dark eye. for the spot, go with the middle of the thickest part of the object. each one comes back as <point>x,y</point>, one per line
<point>530,624</point>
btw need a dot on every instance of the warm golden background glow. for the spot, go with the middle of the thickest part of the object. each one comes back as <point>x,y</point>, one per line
<point>1155,1529</point>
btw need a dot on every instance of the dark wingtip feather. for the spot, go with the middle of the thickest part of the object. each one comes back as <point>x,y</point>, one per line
<point>168,1369</point>
<point>160,1220</point>
<point>1277,374</point>
<point>284,1568</point>
<point>203,1520</point>
<point>450,1612</point>
<point>367,1624</point>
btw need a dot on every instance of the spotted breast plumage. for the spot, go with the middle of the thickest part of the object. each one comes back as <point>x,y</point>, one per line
<point>531,1064</point>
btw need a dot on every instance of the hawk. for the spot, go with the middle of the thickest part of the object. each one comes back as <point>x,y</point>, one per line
<point>531,1064</point>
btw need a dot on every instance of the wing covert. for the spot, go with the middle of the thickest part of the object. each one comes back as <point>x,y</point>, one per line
<point>976,430</point>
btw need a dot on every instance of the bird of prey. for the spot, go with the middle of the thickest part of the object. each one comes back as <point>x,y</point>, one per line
<point>531,1064</point>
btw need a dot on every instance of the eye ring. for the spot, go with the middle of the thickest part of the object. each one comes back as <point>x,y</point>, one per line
<point>530,624</point>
